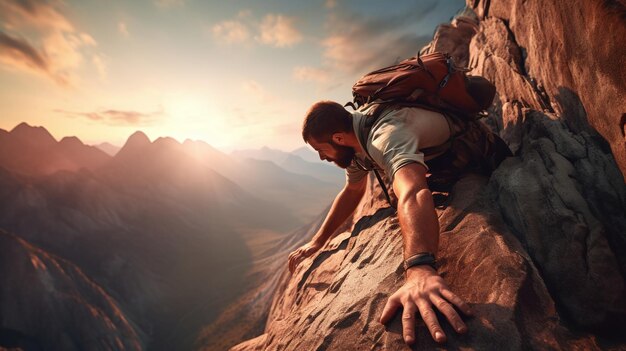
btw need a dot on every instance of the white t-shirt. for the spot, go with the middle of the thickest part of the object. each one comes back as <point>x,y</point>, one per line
<point>396,138</point>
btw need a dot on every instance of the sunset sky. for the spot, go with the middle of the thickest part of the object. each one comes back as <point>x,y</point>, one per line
<point>236,74</point>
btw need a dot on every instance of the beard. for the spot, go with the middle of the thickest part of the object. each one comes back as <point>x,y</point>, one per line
<point>344,155</point>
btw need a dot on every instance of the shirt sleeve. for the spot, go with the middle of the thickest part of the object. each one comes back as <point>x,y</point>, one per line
<point>354,174</point>
<point>394,146</point>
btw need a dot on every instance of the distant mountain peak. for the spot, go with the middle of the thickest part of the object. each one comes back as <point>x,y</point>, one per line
<point>139,135</point>
<point>71,141</point>
<point>137,139</point>
<point>22,125</point>
<point>166,141</point>
<point>39,135</point>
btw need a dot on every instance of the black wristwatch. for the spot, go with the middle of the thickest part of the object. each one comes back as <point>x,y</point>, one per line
<point>422,258</point>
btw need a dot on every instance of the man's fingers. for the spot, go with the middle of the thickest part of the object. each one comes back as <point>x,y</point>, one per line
<point>389,310</point>
<point>430,319</point>
<point>408,322</point>
<point>457,301</point>
<point>450,313</point>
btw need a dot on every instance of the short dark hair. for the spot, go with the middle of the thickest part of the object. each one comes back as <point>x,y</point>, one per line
<point>324,119</point>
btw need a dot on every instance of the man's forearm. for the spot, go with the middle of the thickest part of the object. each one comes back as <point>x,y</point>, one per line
<point>424,290</point>
<point>344,205</point>
<point>416,211</point>
<point>419,223</point>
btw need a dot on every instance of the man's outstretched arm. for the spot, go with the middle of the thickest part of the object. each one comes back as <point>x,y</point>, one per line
<point>345,203</point>
<point>424,288</point>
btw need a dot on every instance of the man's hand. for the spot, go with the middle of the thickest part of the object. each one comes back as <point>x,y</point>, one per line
<point>423,289</point>
<point>301,253</point>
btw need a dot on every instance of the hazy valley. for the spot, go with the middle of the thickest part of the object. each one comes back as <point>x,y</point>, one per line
<point>167,231</point>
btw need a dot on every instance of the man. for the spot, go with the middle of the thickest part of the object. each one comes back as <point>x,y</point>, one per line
<point>393,144</point>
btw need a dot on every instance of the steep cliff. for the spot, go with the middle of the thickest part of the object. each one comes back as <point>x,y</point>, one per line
<point>38,288</point>
<point>538,248</point>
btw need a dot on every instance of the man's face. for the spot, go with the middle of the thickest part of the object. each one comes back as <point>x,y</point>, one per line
<point>341,155</point>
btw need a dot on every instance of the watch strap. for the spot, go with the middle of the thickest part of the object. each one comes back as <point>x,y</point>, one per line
<point>423,258</point>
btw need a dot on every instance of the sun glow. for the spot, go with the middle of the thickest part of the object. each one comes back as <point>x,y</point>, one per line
<point>194,116</point>
<point>236,76</point>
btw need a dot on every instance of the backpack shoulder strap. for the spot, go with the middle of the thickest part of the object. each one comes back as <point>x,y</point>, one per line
<point>377,112</point>
<point>370,119</point>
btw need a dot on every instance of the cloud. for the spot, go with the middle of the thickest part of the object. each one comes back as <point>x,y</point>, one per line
<point>257,92</point>
<point>115,117</point>
<point>123,29</point>
<point>279,31</point>
<point>357,44</point>
<point>87,39</point>
<point>348,56</point>
<point>274,30</point>
<point>20,50</point>
<point>20,54</point>
<point>231,32</point>
<point>310,74</point>
<point>37,38</point>
<point>63,49</point>
<point>101,66</point>
<point>33,13</point>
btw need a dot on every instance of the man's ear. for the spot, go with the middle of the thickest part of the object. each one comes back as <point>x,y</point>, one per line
<point>339,138</point>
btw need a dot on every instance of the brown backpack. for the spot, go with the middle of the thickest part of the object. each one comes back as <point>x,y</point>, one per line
<point>431,79</point>
<point>433,82</point>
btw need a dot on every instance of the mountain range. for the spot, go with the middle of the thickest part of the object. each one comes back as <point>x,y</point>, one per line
<point>167,231</point>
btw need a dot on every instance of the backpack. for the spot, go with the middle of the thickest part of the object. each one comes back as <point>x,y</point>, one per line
<point>433,82</point>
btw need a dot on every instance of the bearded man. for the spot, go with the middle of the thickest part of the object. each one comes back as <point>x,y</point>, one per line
<point>394,142</point>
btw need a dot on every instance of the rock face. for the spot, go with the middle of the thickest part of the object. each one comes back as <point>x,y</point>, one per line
<point>572,53</point>
<point>537,249</point>
<point>562,196</point>
<point>38,288</point>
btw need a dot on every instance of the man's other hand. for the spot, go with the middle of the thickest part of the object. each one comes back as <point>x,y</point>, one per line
<point>423,290</point>
<point>301,253</point>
